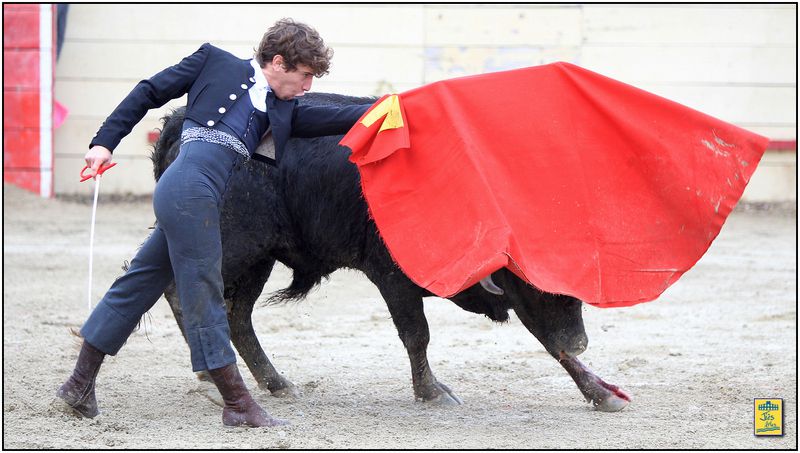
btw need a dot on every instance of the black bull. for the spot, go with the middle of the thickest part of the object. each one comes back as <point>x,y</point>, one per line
<point>309,214</point>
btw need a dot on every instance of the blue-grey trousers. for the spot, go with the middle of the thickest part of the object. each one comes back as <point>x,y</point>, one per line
<point>186,244</point>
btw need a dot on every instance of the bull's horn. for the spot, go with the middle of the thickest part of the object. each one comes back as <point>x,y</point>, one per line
<point>488,284</point>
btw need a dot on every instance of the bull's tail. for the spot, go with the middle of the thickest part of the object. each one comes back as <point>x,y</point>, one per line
<point>168,144</point>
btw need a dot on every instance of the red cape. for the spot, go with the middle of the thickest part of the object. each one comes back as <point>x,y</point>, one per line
<point>580,184</point>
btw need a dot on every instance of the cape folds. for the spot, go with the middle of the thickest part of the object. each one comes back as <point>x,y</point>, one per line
<point>578,183</point>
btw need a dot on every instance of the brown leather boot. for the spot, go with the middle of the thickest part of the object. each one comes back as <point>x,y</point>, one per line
<point>240,408</point>
<point>78,391</point>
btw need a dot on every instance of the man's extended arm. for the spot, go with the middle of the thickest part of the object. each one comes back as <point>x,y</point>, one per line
<point>315,121</point>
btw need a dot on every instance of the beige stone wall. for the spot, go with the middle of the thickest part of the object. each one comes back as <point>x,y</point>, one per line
<point>736,62</point>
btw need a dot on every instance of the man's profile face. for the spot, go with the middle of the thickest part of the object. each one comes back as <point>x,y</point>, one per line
<point>288,84</point>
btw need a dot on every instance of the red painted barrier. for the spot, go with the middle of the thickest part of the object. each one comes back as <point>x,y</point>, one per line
<point>782,145</point>
<point>29,59</point>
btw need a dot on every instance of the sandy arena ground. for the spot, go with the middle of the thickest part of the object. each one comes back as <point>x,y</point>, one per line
<point>693,361</point>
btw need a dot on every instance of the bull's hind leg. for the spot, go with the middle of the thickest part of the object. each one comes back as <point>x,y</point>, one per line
<point>208,389</point>
<point>171,294</point>
<point>412,327</point>
<point>247,289</point>
<point>243,335</point>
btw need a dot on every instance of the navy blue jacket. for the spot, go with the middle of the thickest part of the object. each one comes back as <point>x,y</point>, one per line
<point>214,80</point>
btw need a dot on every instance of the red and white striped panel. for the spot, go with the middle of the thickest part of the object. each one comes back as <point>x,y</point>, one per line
<point>28,72</point>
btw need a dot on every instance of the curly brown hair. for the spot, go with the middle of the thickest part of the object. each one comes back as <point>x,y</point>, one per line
<point>297,43</point>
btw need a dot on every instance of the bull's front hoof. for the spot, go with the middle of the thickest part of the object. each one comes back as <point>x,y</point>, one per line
<point>444,400</point>
<point>209,390</point>
<point>281,388</point>
<point>607,397</point>
<point>290,391</point>
<point>612,403</point>
<point>203,376</point>
<point>604,396</point>
<point>440,395</point>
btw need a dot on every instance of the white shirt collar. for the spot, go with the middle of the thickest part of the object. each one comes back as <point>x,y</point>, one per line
<point>261,81</point>
<point>258,92</point>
